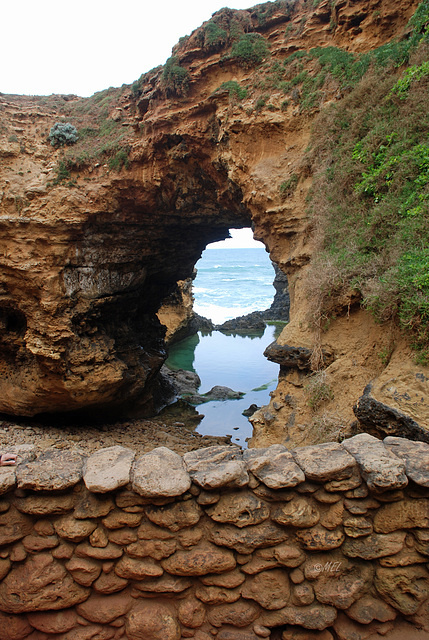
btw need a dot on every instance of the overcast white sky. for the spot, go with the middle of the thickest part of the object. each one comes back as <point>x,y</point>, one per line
<point>241,239</point>
<point>84,46</point>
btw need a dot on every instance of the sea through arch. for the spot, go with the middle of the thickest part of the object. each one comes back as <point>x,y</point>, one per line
<point>234,280</point>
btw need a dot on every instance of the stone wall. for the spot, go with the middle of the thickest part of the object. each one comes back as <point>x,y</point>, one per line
<point>320,542</point>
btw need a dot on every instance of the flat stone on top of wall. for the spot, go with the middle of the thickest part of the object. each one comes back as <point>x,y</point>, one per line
<point>53,470</point>
<point>216,467</point>
<point>160,474</point>
<point>381,469</point>
<point>108,469</point>
<point>274,466</point>
<point>324,462</point>
<point>416,456</point>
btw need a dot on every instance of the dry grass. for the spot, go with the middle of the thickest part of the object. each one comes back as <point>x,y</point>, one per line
<point>326,427</point>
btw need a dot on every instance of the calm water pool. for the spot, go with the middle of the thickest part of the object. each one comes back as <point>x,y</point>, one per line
<point>231,361</point>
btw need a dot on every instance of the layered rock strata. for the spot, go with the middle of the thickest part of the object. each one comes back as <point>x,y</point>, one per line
<point>89,249</point>
<point>272,543</point>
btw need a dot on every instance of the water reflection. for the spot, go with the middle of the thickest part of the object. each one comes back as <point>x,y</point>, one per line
<point>233,361</point>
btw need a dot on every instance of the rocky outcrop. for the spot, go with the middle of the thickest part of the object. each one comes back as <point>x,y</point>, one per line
<point>317,542</point>
<point>250,324</point>
<point>280,307</point>
<point>92,244</point>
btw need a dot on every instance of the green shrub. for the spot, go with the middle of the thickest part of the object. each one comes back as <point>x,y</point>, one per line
<point>264,11</point>
<point>62,134</point>
<point>214,36</point>
<point>119,160</point>
<point>234,89</point>
<point>62,172</point>
<point>261,102</point>
<point>370,196</point>
<point>412,74</point>
<point>250,50</point>
<point>175,78</point>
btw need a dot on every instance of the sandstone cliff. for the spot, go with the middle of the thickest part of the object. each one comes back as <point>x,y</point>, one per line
<point>95,236</point>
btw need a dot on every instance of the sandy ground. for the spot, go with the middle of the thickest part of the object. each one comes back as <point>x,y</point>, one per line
<point>178,433</point>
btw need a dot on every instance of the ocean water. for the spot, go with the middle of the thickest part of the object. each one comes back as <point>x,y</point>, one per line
<point>232,283</point>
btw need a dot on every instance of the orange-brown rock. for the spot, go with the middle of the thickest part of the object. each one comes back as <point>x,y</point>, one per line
<point>270,589</point>
<point>152,621</point>
<point>199,560</point>
<point>86,261</point>
<point>53,621</point>
<point>13,627</point>
<point>40,583</point>
<point>104,608</point>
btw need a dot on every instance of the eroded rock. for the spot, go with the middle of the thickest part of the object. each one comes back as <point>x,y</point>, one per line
<point>200,560</point>
<point>52,470</point>
<point>274,466</point>
<point>149,477</point>
<point>40,583</point>
<point>150,620</point>
<point>216,467</point>
<point>381,469</point>
<point>108,469</point>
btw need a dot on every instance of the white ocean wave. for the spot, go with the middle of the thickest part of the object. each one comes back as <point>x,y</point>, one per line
<point>219,314</point>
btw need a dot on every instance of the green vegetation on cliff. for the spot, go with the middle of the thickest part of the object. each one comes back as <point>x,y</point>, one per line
<point>370,199</point>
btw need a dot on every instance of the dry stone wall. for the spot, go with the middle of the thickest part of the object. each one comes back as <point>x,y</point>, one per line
<point>319,542</point>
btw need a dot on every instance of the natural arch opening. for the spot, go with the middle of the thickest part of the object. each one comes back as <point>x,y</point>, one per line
<point>220,367</point>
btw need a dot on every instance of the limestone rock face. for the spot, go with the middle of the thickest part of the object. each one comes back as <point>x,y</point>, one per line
<point>87,262</point>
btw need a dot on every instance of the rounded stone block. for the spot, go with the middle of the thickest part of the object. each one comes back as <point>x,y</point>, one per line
<point>160,474</point>
<point>216,467</point>
<point>325,462</point>
<point>151,620</point>
<point>274,466</point>
<point>108,469</point>
<point>53,470</point>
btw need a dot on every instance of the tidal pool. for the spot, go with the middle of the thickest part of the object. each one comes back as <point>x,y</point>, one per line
<point>233,361</point>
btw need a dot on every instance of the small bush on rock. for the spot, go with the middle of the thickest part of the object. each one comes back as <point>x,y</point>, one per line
<point>63,133</point>
<point>175,78</point>
<point>250,50</point>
